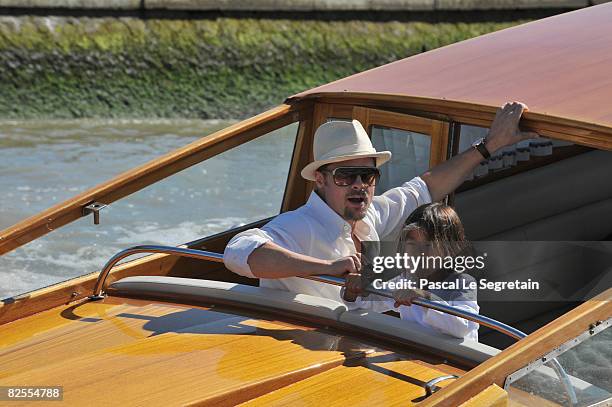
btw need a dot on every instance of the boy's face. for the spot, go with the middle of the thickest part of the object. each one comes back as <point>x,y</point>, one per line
<point>417,244</point>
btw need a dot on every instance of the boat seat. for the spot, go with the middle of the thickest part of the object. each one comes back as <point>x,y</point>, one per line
<point>244,294</point>
<point>518,201</point>
<point>301,304</point>
<point>569,200</point>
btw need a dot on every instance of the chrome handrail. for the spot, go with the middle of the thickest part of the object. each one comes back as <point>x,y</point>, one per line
<point>470,316</point>
<point>98,293</point>
<point>431,385</point>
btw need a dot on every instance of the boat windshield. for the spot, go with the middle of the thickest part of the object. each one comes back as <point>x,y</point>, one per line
<point>587,360</point>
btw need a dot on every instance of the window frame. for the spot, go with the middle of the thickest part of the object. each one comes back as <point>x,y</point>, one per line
<point>437,130</point>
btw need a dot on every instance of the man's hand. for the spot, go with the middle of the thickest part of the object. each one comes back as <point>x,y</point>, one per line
<point>352,287</point>
<point>504,130</point>
<point>345,265</point>
<point>444,178</point>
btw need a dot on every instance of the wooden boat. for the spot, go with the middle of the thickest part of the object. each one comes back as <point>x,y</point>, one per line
<point>173,329</point>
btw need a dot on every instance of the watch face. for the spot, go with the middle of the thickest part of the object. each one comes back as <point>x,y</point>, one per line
<point>478,141</point>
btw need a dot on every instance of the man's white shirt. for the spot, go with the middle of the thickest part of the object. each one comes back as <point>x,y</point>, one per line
<point>314,229</point>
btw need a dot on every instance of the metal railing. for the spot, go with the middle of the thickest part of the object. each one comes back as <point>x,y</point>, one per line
<point>447,309</point>
<point>98,293</point>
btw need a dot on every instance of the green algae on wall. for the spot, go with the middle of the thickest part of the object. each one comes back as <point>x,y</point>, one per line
<point>224,68</point>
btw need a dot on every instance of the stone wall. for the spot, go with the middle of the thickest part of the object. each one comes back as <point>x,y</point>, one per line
<point>299,5</point>
<point>65,67</point>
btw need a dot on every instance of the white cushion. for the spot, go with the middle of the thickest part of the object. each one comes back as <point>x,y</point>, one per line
<point>265,297</point>
<point>392,326</point>
<point>308,305</point>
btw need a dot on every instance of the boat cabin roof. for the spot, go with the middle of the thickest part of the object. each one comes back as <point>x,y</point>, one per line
<point>558,66</point>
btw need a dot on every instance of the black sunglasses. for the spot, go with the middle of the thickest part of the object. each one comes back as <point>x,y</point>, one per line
<point>346,176</point>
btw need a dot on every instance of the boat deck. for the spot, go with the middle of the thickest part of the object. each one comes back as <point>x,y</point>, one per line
<point>120,351</point>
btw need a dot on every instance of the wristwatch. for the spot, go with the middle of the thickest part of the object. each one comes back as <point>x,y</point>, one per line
<point>482,149</point>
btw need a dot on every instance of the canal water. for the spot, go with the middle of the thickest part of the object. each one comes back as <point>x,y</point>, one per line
<point>45,163</point>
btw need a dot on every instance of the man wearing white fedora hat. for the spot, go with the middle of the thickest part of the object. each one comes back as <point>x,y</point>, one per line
<point>324,235</point>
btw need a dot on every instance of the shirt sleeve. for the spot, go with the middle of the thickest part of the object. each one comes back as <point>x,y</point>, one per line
<point>393,207</point>
<point>464,299</point>
<point>240,247</point>
<point>238,250</point>
<point>449,324</point>
<point>372,302</point>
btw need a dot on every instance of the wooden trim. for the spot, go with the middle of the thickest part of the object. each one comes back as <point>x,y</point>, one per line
<point>340,111</point>
<point>492,396</point>
<point>320,114</point>
<point>453,151</point>
<point>456,138</point>
<point>473,111</point>
<point>437,130</point>
<point>439,142</point>
<point>401,121</point>
<point>78,288</point>
<point>496,369</point>
<point>362,114</point>
<point>153,171</point>
<point>588,134</point>
<point>324,111</point>
<point>296,192</point>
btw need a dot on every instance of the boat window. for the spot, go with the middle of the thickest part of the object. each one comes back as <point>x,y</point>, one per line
<point>239,186</point>
<point>587,363</point>
<point>411,151</point>
<point>525,155</point>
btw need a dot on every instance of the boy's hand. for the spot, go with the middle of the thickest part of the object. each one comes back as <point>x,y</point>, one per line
<point>405,297</point>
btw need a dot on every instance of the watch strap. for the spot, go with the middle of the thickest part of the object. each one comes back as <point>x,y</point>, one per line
<point>482,149</point>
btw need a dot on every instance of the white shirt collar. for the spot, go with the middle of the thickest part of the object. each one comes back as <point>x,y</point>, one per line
<point>333,222</point>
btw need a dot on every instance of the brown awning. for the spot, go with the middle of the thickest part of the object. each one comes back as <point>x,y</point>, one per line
<point>560,66</point>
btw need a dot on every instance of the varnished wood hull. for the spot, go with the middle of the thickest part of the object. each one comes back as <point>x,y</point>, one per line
<point>132,352</point>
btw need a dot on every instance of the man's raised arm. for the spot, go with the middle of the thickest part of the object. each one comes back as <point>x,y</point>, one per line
<point>444,178</point>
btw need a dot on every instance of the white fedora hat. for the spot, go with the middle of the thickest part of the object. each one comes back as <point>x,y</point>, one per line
<point>337,141</point>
